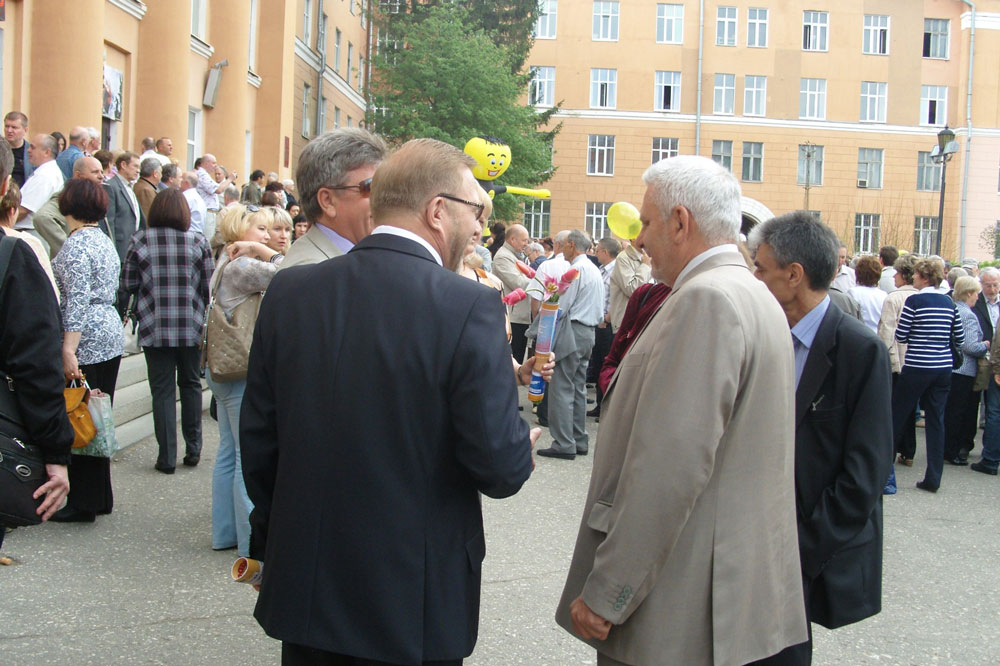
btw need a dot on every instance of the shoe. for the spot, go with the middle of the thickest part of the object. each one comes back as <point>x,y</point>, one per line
<point>68,515</point>
<point>596,411</point>
<point>591,401</point>
<point>923,485</point>
<point>983,467</point>
<point>590,385</point>
<point>233,547</point>
<point>191,461</point>
<point>542,422</point>
<point>905,461</point>
<point>582,453</point>
<point>961,462</point>
<point>164,469</point>
<point>552,453</point>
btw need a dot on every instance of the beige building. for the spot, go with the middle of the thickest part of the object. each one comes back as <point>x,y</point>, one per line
<point>826,107</point>
<point>247,80</point>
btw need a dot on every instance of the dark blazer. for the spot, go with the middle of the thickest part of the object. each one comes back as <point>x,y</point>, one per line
<point>843,454</point>
<point>120,222</point>
<point>379,403</point>
<point>983,315</point>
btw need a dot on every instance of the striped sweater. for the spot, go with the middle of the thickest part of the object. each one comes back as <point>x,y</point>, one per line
<point>928,324</point>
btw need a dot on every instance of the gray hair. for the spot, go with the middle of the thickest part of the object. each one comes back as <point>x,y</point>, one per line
<point>956,273</point>
<point>169,171</point>
<point>610,245</point>
<point>93,133</point>
<point>990,271</point>
<point>710,192</point>
<point>231,194</point>
<point>580,240</point>
<point>800,238</point>
<point>328,157</point>
<point>149,166</point>
<point>560,238</point>
<point>534,247</point>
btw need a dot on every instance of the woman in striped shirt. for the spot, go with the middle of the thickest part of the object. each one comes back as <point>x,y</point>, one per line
<point>928,324</point>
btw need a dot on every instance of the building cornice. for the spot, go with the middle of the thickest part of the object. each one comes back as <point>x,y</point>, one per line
<point>984,20</point>
<point>135,8</point>
<point>204,49</point>
<point>310,57</point>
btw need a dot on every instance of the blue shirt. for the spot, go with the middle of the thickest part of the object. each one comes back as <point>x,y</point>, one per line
<point>342,243</point>
<point>803,334</point>
<point>66,158</point>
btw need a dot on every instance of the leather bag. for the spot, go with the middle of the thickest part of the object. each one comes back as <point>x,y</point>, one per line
<point>226,344</point>
<point>77,395</point>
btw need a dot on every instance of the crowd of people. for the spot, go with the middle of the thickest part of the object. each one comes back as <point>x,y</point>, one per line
<point>359,341</point>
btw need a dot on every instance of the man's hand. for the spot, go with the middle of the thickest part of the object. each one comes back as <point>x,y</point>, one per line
<point>586,622</point>
<point>55,490</point>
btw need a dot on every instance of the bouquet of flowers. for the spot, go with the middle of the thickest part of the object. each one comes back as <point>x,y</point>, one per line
<point>548,287</point>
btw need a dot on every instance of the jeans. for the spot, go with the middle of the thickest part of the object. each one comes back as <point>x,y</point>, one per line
<point>164,367</point>
<point>931,389</point>
<point>991,435</point>
<point>231,505</point>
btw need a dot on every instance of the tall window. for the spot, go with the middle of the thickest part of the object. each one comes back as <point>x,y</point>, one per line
<point>663,148</point>
<point>928,173</point>
<point>876,35</point>
<point>935,38</point>
<point>755,95</point>
<point>361,73</point>
<point>873,101</point>
<point>336,117</point>
<point>669,23</point>
<point>194,148</point>
<point>814,30</point>
<point>390,6</point>
<point>603,88</point>
<point>545,27</point>
<point>925,234</point>
<point>757,27</point>
<point>753,161</point>
<point>725,26</point>
<point>597,219</point>
<point>307,22</point>
<point>725,94</point>
<point>722,152</point>
<point>541,92</point>
<point>810,165</point>
<point>336,50</point>
<point>306,124</point>
<point>350,59</point>
<point>198,18</point>
<point>537,213</point>
<point>601,155</point>
<point>668,91</point>
<point>933,105</point>
<point>867,233</point>
<point>321,34</point>
<point>252,41</point>
<point>321,120</point>
<point>605,21</point>
<point>812,99</point>
<point>870,168</point>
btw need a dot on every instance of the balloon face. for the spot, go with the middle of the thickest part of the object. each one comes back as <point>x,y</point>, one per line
<point>492,158</point>
<point>623,220</point>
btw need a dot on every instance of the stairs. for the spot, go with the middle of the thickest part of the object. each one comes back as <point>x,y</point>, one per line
<point>134,405</point>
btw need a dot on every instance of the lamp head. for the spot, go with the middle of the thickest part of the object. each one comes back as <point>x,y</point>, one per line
<point>945,137</point>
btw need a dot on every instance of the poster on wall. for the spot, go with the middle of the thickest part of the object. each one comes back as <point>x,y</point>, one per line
<point>111,100</point>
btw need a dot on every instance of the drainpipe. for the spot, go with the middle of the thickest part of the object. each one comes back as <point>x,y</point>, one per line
<point>701,53</point>
<point>968,123</point>
<point>368,57</point>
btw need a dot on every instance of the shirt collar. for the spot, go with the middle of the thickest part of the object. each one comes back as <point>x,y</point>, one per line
<point>343,244</point>
<point>929,290</point>
<point>406,233</point>
<point>805,330</point>
<point>701,258</point>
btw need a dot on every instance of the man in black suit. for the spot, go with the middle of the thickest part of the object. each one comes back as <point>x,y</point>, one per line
<point>843,431</point>
<point>379,404</point>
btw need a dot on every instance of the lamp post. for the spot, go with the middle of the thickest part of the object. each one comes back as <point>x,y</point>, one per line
<point>942,154</point>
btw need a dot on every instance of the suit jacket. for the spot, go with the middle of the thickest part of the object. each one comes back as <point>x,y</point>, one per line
<point>982,313</point>
<point>144,192</point>
<point>843,455</point>
<point>379,404</point>
<point>51,225</point>
<point>504,267</point>
<point>688,543</point>
<point>120,222</point>
<point>628,275</point>
<point>314,247</point>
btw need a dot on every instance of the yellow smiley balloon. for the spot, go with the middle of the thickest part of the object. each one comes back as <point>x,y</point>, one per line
<point>623,220</point>
<point>492,156</point>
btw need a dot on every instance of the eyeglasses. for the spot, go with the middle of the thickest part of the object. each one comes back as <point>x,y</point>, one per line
<point>364,188</point>
<point>478,206</point>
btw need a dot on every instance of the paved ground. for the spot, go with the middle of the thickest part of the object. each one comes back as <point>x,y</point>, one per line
<point>142,586</point>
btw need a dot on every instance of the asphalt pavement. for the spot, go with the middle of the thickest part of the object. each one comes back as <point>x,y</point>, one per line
<point>143,586</point>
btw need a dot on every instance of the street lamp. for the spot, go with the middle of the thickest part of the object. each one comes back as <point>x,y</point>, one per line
<point>941,154</point>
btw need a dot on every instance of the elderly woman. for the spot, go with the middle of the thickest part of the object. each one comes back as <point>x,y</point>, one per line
<point>869,297</point>
<point>930,325</point>
<point>87,269</point>
<point>243,273</point>
<point>906,444</point>
<point>962,407</point>
<point>167,270</point>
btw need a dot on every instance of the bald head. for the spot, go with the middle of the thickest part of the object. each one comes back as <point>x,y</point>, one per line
<point>78,137</point>
<point>517,237</point>
<point>148,143</point>
<point>189,180</point>
<point>42,149</point>
<point>89,168</point>
<point>208,162</point>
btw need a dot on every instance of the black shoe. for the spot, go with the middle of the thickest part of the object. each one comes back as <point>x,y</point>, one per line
<point>961,462</point>
<point>923,485</point>
<point>591,401</point>
<point>164,469</point>
<point>68,515</point>
<point>596,411</point>
<point>983,467</point>
<point>582,453</point>
<point>552,453</point>
<point>191,461</point>
<point>543,422</point>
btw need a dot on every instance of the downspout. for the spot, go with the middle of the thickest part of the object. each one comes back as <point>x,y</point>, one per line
<point>368,56</point>
<point>968,123</point>
<point>701,54</point>
<point>320,111</point>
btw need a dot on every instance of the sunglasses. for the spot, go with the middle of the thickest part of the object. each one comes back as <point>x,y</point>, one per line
<point>478,206</point>
<point>364,188</point>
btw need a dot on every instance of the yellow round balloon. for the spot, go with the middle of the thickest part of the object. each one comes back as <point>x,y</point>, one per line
<point>623,220</point>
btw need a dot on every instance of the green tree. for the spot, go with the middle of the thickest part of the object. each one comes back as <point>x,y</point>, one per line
<point>444,77</point>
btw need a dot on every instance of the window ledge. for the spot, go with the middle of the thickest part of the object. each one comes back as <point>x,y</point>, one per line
<point>202,48</point>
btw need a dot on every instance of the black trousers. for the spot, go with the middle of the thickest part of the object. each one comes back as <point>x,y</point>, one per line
<point>300,655</point>
<point>90,477</point>
<point>164,366</point>
<point>960,412</point>
<point>906,440</point>
<point>518,341</point>
<point>603,337</point>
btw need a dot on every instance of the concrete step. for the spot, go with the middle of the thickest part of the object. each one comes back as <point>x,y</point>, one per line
<point>131,371</point>
<point>138,429</point>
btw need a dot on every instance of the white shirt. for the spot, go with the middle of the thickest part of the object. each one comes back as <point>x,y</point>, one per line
<point>845,279</point>
<point>198,210</point>
<point>164,160</point>
<point>701,258</point>
<point>553,268</point>
<point>994,311</point>
<point>887,282</point>
<point>583,301</point>
<point>871,300</point>
<point>406,233</point>
<point>45,181</point>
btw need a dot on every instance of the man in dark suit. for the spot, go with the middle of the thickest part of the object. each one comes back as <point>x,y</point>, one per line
<point>843,432</point>
<point>379,404</point>
<point>124,214</point>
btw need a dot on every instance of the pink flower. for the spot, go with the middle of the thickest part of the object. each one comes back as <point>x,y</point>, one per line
<point>569,276</point>
<point>527,270</point>
<point>515,296</point>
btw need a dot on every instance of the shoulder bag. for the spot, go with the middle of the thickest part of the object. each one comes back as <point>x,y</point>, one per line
<point>77,395</point>
<point>226,343</point>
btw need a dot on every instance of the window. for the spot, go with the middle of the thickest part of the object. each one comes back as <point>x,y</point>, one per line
<point>350,59</point>
<point>545,27</point>
<point>668,91</point>
<point>336,50</point>
<point>193,136</point>
<point>350,121</point>
<point>870,168</point>
<point>753,161</point>
<point>537,213</point>
<point>321,121</point>
<point>336,117</point>
<point>350,6</point>
<point>361,73</point>
<point>307,21</point>
<point>725,26</point>
<point>601,155</point>
<point>603,88</point>
<point>597,219</point>
<point>252,41</point>
<point>664,148</point>
<point>725,94</point>
<point>754,95</point>
<point>321,34</point>
<point>722,152</point>
<point>925,234</point>
<point>198,18</point>
<point>873,101</point>
<point>388,46</point>
<point>812,99</point>
<point>669,24</point>
<point>364,13</point>
<point>814,30</point>
<point>605,21</point>
<point>810,165</point>
<point>935,38</point>
<point>876,35</point>
<point>757,27</point>
<point>306,92</point>
<point>867,233</point>
<point>390,6</point>
<point>928,173</point>
<point>933,105</point>
<point>541,91</point>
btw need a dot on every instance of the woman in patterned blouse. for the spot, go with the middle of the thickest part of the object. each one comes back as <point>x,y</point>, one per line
<point>87,269</point>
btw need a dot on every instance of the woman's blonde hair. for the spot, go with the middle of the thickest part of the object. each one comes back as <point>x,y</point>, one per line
<point>964,286</point>
<point>276,217</point>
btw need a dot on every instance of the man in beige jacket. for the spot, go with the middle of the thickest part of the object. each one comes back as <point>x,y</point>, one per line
<point>688,551</point>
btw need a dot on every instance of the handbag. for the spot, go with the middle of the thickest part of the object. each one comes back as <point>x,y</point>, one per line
<point>104,444</point>
<point>131,329</point>
<point>22,466</point>
<point>226,343</point>
<point>984,374</point>
<point>957,357</point>
<point>77,395</point>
